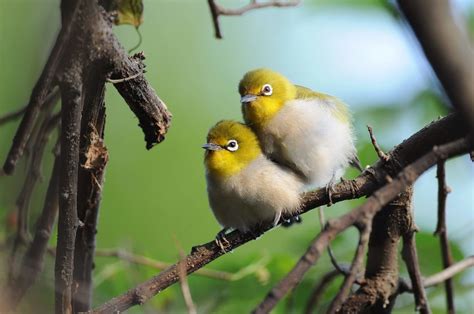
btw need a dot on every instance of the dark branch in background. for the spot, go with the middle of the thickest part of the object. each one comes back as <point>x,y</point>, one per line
<point>34,174</point>
<point>217,10</point>
<point>354,270</point>
<point>448,50</point>
<point>32,262</point>
<point>442,232</point>
<point>38,95</point>
<point>45,129</point>
<point>421,143</point>
<point>318,291</point>
<point>12,116</point>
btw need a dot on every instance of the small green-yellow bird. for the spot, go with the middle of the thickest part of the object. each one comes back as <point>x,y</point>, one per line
<point>307,131</point>
<point>245,188</point>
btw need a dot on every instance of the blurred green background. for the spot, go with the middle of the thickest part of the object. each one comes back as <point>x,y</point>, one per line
<point>154,202</point>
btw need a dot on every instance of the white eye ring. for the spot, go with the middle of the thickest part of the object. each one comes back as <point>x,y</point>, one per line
<point>232,145</point>
<point>267,90</point>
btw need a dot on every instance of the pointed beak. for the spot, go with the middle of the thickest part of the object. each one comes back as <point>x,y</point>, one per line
<point>211,146</point>
<point>247,98</point>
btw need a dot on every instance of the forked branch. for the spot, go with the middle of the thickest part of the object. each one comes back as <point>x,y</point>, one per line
<point>218,10</point>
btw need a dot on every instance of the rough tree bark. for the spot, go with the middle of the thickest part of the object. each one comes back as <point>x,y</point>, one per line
<point>378,292</point>
<point>86,54</point>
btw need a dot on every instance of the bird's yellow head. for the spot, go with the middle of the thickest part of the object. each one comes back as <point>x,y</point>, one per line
<point>230,147</point>
<point>263,93</point>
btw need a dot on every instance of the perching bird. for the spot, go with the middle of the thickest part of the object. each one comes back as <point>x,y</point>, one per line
<point>307,131</point>
<point>246,189</point>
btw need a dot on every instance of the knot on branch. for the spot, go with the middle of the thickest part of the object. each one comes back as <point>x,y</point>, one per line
<point>97,154</point>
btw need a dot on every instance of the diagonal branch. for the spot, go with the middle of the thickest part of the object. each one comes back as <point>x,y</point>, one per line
<point>318,290</point>
<point>38,95</point>
<point>152,113</point>
<point>11,116</point>
<point>361,215</point>
<point>354,270</point>
<point>32,262</point>
<point>217,10</point>
<point>208,252</point>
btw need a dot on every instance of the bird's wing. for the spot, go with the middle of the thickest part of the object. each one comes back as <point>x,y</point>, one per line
<point>340,108</point>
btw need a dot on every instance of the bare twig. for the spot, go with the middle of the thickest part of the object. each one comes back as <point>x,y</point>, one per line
<point>217,10</point>
<point>410,257</point>
<point>318,291</point>
<point>146,261</point>
<point>183,281</point>
<point>448,50</point>
<point>384,157</point>
<point>34,174</point>
<point>11,116</point>
<point>449,272</point>
<point>365,211</point>
<point>38,95</point>
<point>442,276</point>
<point>32,262</point>
<point>442,232</point>
<point>332,257</point>
<point>116,81</point>
<point>354,271</point>
<point>442,131</point>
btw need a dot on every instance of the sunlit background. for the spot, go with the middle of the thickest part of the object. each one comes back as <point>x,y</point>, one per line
<point>154,202</point>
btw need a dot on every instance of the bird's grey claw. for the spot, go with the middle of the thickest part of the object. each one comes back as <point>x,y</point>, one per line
<point>221,240</point>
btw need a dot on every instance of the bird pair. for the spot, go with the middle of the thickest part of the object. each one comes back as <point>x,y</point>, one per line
<point>294,140</point>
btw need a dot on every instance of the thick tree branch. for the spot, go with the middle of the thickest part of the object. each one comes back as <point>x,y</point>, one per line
<point>448,50</point>
<point>93,159</point>
<point>153,115</point>
<point>381,275</point>
<point>72,102</point>
<point>217,10</point>
<point>442,232</point>
<point>359,215</point>
<point>208,252</point>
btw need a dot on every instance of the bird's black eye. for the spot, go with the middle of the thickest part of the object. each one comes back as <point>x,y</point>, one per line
<point>267,90</point>
<point>232,145</point>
